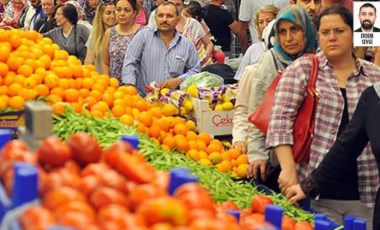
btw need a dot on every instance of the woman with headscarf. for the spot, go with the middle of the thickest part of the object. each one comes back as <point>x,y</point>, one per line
<point>20,7</point>
<point>294,36</point>
<point>48,23</point>
<point>341,79</point>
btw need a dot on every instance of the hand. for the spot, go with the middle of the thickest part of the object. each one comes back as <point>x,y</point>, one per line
<point>241,146</point>
<point>171,83</point>
<point>257,166</point>
<point>294,193</point>
<point>287,178</point>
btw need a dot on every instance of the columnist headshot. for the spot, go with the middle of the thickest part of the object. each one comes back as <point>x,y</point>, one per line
<point>367,18</point>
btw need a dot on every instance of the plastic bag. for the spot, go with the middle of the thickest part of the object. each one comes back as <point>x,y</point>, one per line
<point>203,79</point>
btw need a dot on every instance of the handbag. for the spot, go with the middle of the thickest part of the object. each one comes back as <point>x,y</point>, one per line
<point>303,128</point>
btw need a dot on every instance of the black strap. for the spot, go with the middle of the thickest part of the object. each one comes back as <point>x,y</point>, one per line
<point>75,40</point>
<point>275,61</point>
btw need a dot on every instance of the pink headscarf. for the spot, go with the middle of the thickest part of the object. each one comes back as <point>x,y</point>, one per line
<point>18,12</point>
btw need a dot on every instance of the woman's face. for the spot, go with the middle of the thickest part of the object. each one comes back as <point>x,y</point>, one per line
<point>18,4</point>
<point>335,36</point>
<point>108,16</point>
<point>263,20</point>
<point>61,20</point>
<point>124,12</point>
<point>48,7</point>
<point>291,38</point>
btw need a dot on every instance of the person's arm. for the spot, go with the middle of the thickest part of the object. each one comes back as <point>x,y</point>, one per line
<point>243,37</point>
<point>208,44</point>
<point>346,149</point>
<point>132,58</point>
<point>89,54</point>
<point>105,53</point>
<point>234,26</point>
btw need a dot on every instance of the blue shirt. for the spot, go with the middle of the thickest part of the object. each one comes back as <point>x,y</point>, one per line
<point>147,59</point>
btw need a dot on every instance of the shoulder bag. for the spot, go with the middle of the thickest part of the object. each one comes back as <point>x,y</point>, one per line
<point>303,129</point>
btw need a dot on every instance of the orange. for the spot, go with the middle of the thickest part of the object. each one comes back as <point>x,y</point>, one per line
<point>118,110</point>
<point>42,90</point>
<point>205,161</point>
<point>8,80</point>
<point>4,90</point>
<point>242,170</point>
<point>5,52</point>
<point>226,156</point>
<point>28,94</point>
<point>191,125</point>
<point>163,123</point>
<point>201,145</point>
<point>215,157</point>
<point>58,108</point>
<point>31,63</point>
<point>145,118</point>
<point>131,90</point>
<point>30,82</point>
<point>156,111</point>
<point>154,131</point>
<point>169,141</point>
<point>224,166</point>
<point>180,129</point>
<point>95,94</point>
<point>58,91</point>
<point>126,119</point>
<point>61,55</point>
<point>242,159</point>
<point>234,153</point>
<point>3,69</point>
<point>3,104</point>
<point>89,102</point>
<point>182,145</point>
<point>113,82</point>
<point>14,40</point>
<point>141,104</point>
<point>96,113</point>
<point>205,137</point>
<point>14,89</point>
<point>4,35</point>
<point>191,135</point>
<point>52,98</point>
<point>212,147</point>
<point>14,62</point>
<point>77,71</point>
<point>87,83</point>
<point>71,95</point>
<point>98,87</point>
<point>193,145</point>
<point>51,80</point>
<point>16,102</point>
<point>20,79</point>
<point>101,106</point>
<point>46,60</point>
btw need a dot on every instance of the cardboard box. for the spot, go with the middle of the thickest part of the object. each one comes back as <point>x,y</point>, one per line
<point>216,123</point>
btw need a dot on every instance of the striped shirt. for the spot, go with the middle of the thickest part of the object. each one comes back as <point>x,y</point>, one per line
<point>289,96</point>
<point>147,59</point>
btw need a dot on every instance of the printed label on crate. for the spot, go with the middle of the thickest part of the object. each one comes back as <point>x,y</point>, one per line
<point>11,120</point>
<point>218,120</point>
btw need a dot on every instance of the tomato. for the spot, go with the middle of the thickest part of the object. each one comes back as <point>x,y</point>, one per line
<point>134,168</point>
<point>259,202</point>
<point>103,196</point>
<point>12,148</point>
<point>95,169</point>
<point>53,152</point>
<point>72,167</point>
<point>76,219</point>
<point>199,213</point>
<point>51,181</point>
<point>112,212</point>
<point>88,184</point>
<point>245,212</point>
<point>111,178</point>
<point>189,188</point>
<point>163,209</point>
<point>161,180</point>
<point>85,148</point>
<point>227,205</point>
<point>34,218</point>
<point>108,154</point>
<point>288,223</point>
<point>212,224</point>
<point>194,196</point>
<point>143,193</point>
<point>61,195</point>
<point>162,226</point>
<point>76,206</point>
<point>303,225</point>
<point>8,179</point>
<point>254,221</point>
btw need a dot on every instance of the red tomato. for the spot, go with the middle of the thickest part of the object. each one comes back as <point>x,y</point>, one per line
<point>245,212</point>
<point>112,212</point>
<point>161,180</point>
<point>199,213</point>
<point>288,223</point>
<point>303,225</point>
<point>72,167</point>
<point>142,193</point>
<point>79,220</point>
<point>134,168</point>
<point>85,148</point>
<point>9,149</point>
<point>163,209</point>
<point>61,195</point>
<point>54,152</point>
<point>88,184</point>
<point>95,169</point>
<point>227,205</point>
<point>75,206</point>
<point>197,200</point>
<point>111,178</point>
<point>51,181</point>
<point>212,224</point>
<point>259,202</point>
<point>189,188</point>
<point>253,222</point>
<point>103,196</point>
<point>35,218</point>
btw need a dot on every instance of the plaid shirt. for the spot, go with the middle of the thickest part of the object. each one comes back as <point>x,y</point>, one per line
<point>289,96</point>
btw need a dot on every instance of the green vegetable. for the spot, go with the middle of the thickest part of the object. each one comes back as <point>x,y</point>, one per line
<point>203,79</point>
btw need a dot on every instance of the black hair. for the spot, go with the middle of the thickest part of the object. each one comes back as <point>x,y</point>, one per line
<point>133,4</point>
<point>342,11</point>
<point>195,10</point>
<point>70,12</point>
<point>167,3</point>
<point>367,5</point>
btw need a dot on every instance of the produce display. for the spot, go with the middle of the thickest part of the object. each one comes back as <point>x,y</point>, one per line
<point>86,102</point>
<point>116,188</point>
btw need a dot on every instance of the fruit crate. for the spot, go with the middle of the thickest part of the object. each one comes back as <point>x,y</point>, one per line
<point>11,119</point>
<point>217,123</point>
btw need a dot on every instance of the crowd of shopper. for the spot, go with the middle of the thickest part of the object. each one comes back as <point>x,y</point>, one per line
<point>144,41</point>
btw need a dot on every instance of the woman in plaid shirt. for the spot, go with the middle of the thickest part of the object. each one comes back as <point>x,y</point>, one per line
<point>341,79</point>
